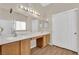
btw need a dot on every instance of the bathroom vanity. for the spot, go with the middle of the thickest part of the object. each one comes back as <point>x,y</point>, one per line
<point>20,45</point>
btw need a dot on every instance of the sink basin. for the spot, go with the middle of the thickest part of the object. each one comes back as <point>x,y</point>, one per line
<point>16,37</point>
<point>10,38</point>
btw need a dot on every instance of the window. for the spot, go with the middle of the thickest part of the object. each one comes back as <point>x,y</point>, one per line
<point>20,25</point>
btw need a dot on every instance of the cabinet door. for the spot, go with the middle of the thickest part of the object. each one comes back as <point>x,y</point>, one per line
<point>10,49</point>
<point>46,39</point>
<point>25,47</point>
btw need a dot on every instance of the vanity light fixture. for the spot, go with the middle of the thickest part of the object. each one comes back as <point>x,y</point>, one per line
<point>30,10</point>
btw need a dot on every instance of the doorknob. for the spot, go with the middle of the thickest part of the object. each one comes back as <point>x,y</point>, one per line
<point>75,33</point>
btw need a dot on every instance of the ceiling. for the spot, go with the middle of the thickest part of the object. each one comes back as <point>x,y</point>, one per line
<point>54,8</point>
<point>44,4</point>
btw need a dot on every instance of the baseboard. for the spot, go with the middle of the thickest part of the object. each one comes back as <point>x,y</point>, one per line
<point>62,48</point>
<point>50,43</point>
<point>78,51</point>
<point>66,49</point>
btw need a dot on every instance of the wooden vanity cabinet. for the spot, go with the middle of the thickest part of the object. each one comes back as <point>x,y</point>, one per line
<point>22,47</point>
<point>16,48</point>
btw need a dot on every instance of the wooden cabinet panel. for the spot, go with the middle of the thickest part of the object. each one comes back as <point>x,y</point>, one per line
<point>45,41</point>
<point>47,38</point>
<point>25,47</point>
<point>10,49</point>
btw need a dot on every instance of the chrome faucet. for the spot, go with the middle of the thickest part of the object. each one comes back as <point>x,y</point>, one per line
<point>14,33</point>
<point>1,30</point>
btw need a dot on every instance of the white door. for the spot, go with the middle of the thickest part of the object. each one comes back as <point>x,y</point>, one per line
<point>64,30</point>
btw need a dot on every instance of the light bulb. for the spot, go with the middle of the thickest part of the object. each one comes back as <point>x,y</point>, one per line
<point>36,12</point>
<point>21,7</point>
<point>25,8</point>
<point>31,10</point>
<point>28,9</point>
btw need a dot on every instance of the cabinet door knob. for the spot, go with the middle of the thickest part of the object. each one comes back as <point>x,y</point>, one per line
<point>75,33</point>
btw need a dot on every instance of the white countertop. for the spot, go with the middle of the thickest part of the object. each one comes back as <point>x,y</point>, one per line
<point>5,40</point>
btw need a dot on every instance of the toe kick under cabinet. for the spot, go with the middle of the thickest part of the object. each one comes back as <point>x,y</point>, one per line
<point>22,47</point>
